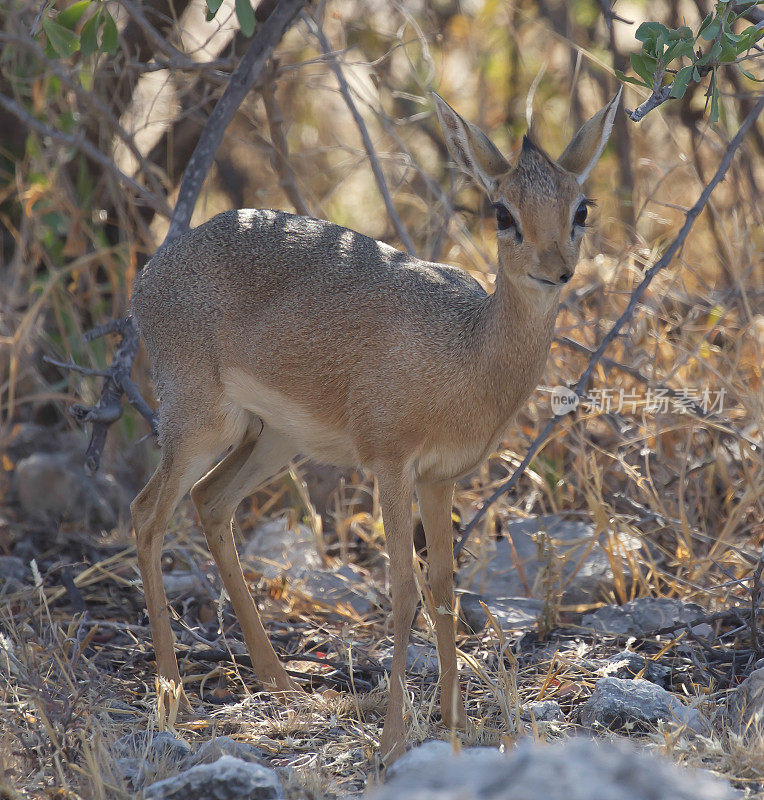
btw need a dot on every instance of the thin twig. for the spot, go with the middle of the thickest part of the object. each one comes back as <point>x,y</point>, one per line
<point>159,204</point>
<point>755,595</point>
<point>688,405</point>
<point>280,159</point>
<point>376,168</point>
<point>583,382</point>
<point>242,80</point>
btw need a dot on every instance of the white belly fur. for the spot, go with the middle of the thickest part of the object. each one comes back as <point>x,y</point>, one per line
<point>281,413</point>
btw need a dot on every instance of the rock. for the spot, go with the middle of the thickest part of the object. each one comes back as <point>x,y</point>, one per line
<point>573,539</point>
<point>511,613</point>
<point>343,586</point>
<point>543,711</point>
<point>628,664</point>
<point>745,705</point>
<point>412,767</point>
<point>133,770</point>
<point>13,568</point>
<point>55,486</point>
<point>184,582</point>
<point>574,769</point>
<point>421,659</point>
<point>228,778</point>
<point>213,749</point>
<point>617,704</point>
<point>275,548</point>
<point>643,615</point>
<point>157,746</point>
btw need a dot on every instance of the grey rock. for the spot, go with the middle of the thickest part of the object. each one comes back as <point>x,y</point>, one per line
<point>13,568</point>
<point>511,613</point>
<point>343,586</point>
<point>275,547</point>
<point>55,486</point>
<point>543,711</point>
<point>133,770</point>
<point>421,659</point>
<point>27,438</point>
<point>645,614</point>
<point>184,582</point>
<point>155,746</point>
<point>228,778</point>
<point>618,704</point>
<point>627,664</point>
<point>213,749</point>
<point>745,705</point>
<point>411,769</point>
<point>583,583</point>
<point>574,769</point>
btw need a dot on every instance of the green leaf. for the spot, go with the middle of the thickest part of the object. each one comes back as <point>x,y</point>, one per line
<point>61,39</point>
<point>682,79</point>
<point>71,16</point>
<point>650,31</point>
<point>751,76</point>
<point>716,51</point>
<point>641,64</point>
<point>213,6</point>
<point>626,79</point>
<point>713,113</point>
<point>706,22</point>
<point>246,17</point>
<point>709,33</point>
<point>110,37</point>
<point>89,34</point>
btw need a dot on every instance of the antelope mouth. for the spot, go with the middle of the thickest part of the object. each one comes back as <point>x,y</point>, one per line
<point>542,281</point>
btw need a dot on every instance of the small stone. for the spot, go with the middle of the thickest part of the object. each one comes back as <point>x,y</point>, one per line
<point>228,778</point>
<point>625,704</point>
<point>628,664</point>
<point>745,705</point>
<point>132,770</point>
<point>213,749</point>
<point>274,547</point>
<point>13,568</point>
<point>55,486</point>
<point>587,571</point>
<point>421,659</point>
<point>160,745</point>
<point>511,613</point>
<point>644,615</point>
<point>343,586</point>
<point>543,711</point>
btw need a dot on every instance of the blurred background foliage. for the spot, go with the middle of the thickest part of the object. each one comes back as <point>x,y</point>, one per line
<point>106,101</point>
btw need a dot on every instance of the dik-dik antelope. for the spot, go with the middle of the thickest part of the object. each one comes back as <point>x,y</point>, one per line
<point>273,335</point>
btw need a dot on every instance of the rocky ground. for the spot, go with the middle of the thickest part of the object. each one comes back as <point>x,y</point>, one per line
<point>586,672</point>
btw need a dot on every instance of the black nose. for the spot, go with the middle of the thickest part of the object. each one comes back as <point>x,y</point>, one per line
<point>565,277</point>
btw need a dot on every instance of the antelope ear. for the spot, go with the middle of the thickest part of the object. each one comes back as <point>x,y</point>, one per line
<point>472,150</point>
<point>585,148</point>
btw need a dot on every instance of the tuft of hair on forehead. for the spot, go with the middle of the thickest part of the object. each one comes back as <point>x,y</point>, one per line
<point>535,173</point>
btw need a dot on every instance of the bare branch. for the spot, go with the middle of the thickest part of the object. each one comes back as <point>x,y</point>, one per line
<point>376,168</point>
<point>243,79</point>
<point>636,296</point>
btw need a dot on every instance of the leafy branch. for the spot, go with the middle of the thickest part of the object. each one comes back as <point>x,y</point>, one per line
<point>660,66</point>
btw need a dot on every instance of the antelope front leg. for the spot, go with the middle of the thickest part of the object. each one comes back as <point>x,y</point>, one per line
<point>435,507</point>
<point>396,494</point>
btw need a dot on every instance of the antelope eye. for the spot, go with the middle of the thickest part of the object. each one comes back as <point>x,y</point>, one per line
<point>505,221</point>
<point>580,215</point>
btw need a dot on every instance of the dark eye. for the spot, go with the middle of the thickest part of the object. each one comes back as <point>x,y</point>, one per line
<point>580,215</point>
<point>505,221</point>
